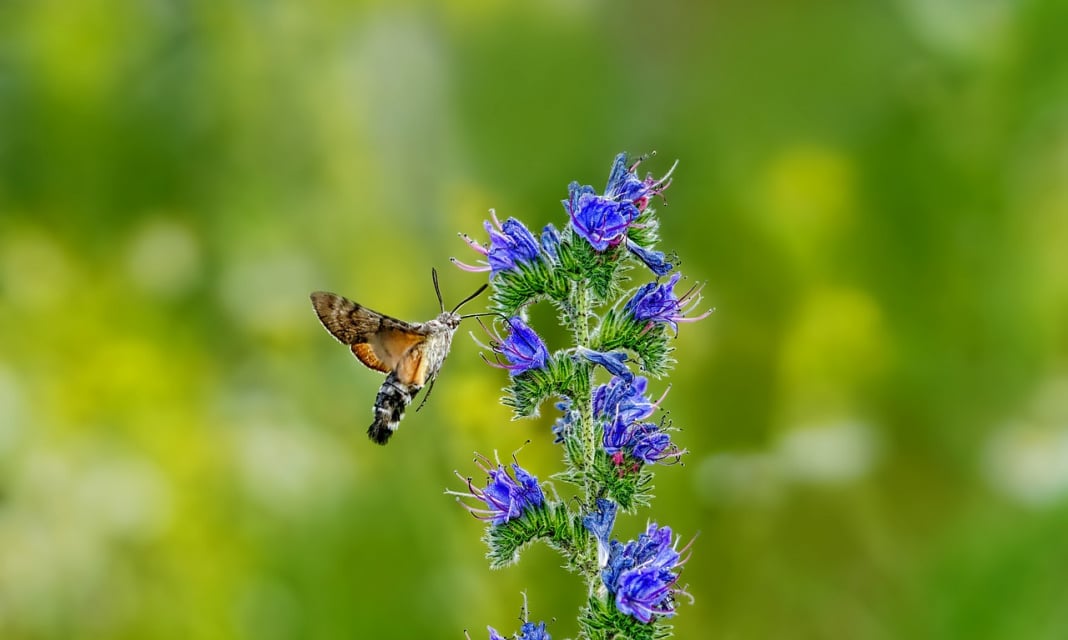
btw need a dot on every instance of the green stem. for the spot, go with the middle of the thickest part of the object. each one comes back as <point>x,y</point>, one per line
<point>583,308</point>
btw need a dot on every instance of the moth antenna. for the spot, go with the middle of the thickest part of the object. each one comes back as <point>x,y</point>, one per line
<point>467,299</point>
<point>488,313</point>
<point>437,289</point>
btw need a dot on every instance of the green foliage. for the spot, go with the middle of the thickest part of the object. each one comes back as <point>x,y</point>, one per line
<point>562,375</point>
<point>529,283</point>
<point>597,272</point>
<point>629,483</point>
<point>553,524</point>
<point>649,341</point>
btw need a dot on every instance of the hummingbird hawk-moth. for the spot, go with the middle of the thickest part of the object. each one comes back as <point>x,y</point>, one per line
<point>409,353</point>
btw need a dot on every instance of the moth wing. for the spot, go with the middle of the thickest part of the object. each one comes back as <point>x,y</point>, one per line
<point>365,354</point>
<point>392,345</point>
<point>377,340</point>
<point>412,369</point>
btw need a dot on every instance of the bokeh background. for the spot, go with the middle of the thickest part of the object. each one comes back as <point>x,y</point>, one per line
<point>876,194</point>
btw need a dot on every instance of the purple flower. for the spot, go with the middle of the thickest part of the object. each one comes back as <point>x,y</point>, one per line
<point>603,220</point>
<point>651,445</point>
<point>645,442</point>
<point>612,361</point>
<point>641,574</point>
<point>621,406</point>
<point>655,302</point>
<point>624,184</point>
<point>523,349</point>
<point>644,593</point>
<point>507,496</point>
<point>511,244</point>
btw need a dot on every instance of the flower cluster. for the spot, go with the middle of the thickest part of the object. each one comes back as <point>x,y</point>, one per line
<point>619,328</point>
<point>522,349</point>
<point>640,574</point>
<point>506,496</point>
<point>656,302</point>
<point>511,244</point>
<point>603,219</point>
<point>621,407</point>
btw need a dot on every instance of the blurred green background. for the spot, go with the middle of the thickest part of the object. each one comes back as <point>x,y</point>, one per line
<point>875,192</point>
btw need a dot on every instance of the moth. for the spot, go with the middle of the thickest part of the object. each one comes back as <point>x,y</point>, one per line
<point>409,353</point>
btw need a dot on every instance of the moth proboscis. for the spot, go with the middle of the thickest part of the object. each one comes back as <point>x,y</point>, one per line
<point>409,353</point>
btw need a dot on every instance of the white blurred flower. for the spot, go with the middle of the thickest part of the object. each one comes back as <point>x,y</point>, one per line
<point>831,453</point>
<point>748,479</point>
<point>163,258</point>
<point>1029,462</point>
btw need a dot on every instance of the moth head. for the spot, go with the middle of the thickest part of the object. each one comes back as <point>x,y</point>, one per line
<point>451,318</point>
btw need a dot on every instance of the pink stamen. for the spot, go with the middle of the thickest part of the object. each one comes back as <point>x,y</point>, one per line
<point>662,396</point>
<point>474,244</point>
<point>468,267</point>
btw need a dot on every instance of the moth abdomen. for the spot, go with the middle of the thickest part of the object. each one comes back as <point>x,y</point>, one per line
<point>392,399</point>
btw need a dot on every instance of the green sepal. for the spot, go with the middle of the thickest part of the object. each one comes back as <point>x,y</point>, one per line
<point>527,283</point>
<point>628,484</point>
<point>552,523</point>
<point>598,271</point>
<point>573,449</point>
<point>648,341</point>
<point>560,376</point>
<point>601,620</point>
<point>645,229</point>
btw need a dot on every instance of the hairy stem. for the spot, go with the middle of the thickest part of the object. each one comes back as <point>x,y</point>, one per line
<point>583,401</point>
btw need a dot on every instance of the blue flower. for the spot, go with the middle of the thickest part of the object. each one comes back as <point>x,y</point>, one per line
<point>612,361</point>
<point>602,221</point>
<point>655,302</point>
<point>507,496</point>
<point>643,593</point>
<point>529,631</point>
<point>600,523</point>
<point>623,399</point>
<point>651,445</point>
<point>523,349</point>
<point>550,241</point>
<point>624,183</point>
<point>511,244</point>
<point>641,574</point>
<point>564,425</point>
<point>645,442</point>
<point>655,260</point>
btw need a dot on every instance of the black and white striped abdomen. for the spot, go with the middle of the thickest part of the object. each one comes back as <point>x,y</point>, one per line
<point>392,399</point>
